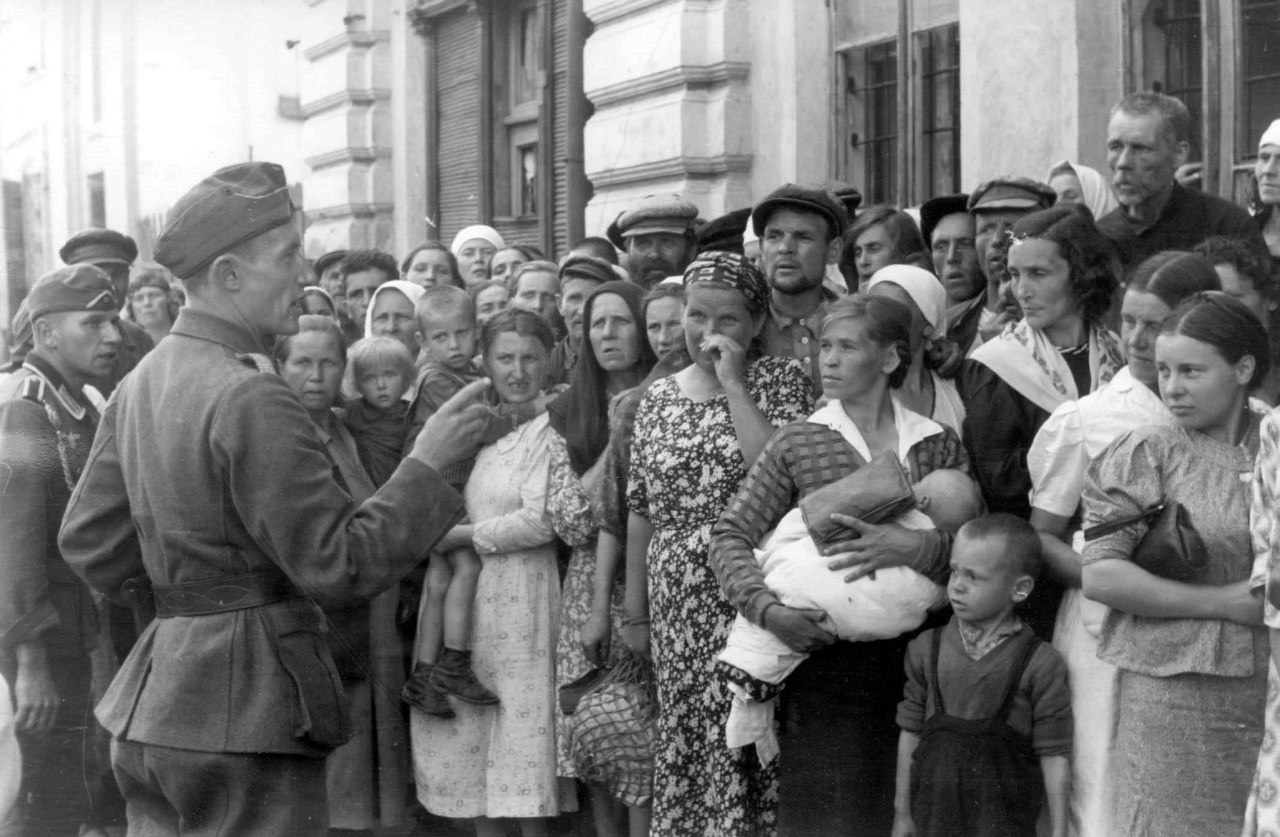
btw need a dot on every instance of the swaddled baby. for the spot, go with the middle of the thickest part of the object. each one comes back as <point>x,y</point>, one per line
<point>886,604</point>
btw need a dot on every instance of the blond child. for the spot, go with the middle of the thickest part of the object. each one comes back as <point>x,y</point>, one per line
<point>447,336</point>
<point>379,372</point>
<point>986,712</point>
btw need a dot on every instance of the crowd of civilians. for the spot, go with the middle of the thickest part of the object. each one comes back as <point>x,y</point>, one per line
<point>664,398</point>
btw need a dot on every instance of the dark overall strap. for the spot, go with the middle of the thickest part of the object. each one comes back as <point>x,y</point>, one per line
<point>933,685</point>
<point>1024,660</point>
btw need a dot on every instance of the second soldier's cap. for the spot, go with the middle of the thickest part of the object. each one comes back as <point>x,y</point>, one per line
<point>77,287</point>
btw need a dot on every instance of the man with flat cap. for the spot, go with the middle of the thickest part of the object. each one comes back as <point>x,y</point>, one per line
<point>995,206</point>
<point>114,253</point>
<point>800,230</point>
<point>950,232</point>
<point>47,616</point>
<point>580,274</point>
<point>660,237</point>
<point>207,466</point>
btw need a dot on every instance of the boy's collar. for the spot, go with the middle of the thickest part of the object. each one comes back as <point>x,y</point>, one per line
<point>979,640</point>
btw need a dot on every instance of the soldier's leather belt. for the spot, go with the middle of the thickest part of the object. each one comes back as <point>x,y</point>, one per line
<point>221,595</point>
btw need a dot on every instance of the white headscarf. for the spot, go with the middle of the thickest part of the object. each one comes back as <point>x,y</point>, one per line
<point>1095,189</point>
<point>480,231</point>
<point>1271,136</point>
<point>922,286</point>
<point>409,289</point>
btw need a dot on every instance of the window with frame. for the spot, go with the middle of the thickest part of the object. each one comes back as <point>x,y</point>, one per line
<point>868,146</point>
<point>519,76</point>
<point>1259,73</point>
<point>939,52</point>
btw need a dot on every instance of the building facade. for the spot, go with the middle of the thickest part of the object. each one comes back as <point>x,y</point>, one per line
<point>401,121</point>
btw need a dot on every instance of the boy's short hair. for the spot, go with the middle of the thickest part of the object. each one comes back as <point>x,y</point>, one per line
<point>370,352</point>
<point>1020,542</point>
<point>442,301</point>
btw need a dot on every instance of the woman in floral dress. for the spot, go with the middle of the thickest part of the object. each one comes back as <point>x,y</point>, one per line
<point>499,762</point>
<point>619,357</point>
<point>696,433</point>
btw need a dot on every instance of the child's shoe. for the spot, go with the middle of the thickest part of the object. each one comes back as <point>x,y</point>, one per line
<point>420,694</point>
<point>453,676</point>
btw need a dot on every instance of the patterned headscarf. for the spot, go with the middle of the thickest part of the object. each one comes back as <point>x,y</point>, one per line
<point>722,268</point>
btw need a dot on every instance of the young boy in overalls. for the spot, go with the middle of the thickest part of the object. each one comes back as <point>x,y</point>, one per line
<point>986,713</point>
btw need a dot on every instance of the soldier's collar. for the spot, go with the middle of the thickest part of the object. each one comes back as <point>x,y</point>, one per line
<point>75,403</point>
<point>201,325</point>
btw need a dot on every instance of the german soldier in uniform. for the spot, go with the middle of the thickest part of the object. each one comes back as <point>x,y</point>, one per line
<point>47,619</point>
<point>225,709</point>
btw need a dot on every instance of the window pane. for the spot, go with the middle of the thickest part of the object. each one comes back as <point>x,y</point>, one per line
<point>940,93</point>
<point>1260,71</point>
<point>882,122</point>
<point>1183,78</point>
<point>527,158</point>
<point>526,55</point>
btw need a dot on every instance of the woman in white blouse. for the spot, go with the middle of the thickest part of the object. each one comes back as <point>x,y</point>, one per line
<point>1069,440</point>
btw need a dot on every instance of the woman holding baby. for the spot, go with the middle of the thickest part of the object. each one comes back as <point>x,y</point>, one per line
<point>838,738</point>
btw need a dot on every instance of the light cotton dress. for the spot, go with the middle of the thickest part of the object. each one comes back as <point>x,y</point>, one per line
<point>500,761</point>
<point>1072,437</point>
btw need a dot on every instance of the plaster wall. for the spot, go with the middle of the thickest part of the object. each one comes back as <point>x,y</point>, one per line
<point>1043,71</point>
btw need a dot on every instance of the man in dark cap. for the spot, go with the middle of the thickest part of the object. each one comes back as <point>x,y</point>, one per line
<point>207,466</point>
<point>659,233</point>
<point>950,232</point>
<point>995,206</point>
<point>113,253</point>
<point>1148,138</point>
<point>580,274</point>
<point>800,230</point>
<point>725,233</point>
<point>47,620</point>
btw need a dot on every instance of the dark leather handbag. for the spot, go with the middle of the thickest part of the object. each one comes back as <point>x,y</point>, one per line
<point>1171,548</point>
<point>878,491</point>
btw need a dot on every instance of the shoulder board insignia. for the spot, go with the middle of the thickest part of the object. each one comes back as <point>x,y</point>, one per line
<point>256,361</point>
<point>33,389</point>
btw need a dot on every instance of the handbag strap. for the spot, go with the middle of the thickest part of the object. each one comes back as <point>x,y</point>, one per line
<point>1145,516</point>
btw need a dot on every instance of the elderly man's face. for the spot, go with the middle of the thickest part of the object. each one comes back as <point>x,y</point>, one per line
<point>655,256</point>
<point>1143,158</point>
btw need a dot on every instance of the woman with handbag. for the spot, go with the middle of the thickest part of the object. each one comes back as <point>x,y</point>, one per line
<point>1062,278</point>
<point>1192,654</point>
<point>619,357</point>
<point>838,742</point>
<point>1059,457</point>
